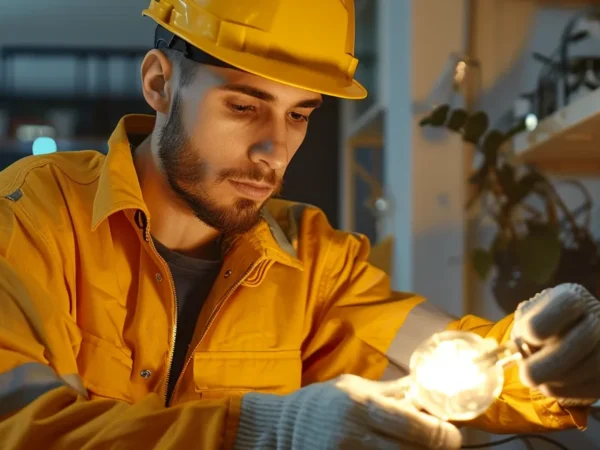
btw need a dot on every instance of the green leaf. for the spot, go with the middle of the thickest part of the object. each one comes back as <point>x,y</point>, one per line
<point>437,117</point>
<point>538,253</point>
<point>499,244</point>
<point>476,126</point>
<point>506,177</point>
<point>457,119</point>
<point>502,253</point>
<point>524,187</point>
<point>479,177</point>
<point>482,262</point>
<point>491,144</point>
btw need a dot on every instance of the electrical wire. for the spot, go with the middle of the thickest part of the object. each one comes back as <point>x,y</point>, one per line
<point>522,437</point>
<point>594,413</point>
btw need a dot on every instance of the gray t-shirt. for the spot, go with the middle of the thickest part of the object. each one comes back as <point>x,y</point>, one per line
<point>193,279</point>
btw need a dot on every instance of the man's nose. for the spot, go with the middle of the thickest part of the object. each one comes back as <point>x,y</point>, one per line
<point>272,152</point>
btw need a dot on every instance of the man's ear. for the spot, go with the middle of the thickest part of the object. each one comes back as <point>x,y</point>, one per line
<point>157,80</point>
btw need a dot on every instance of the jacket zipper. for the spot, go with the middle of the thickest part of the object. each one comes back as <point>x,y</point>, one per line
<point>172,348</point>
<point>211,319</point>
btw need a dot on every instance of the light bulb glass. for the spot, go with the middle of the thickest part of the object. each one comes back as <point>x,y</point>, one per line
<point>446,379</point>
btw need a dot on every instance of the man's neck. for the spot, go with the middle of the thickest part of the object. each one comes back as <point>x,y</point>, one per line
<point>172,222</point>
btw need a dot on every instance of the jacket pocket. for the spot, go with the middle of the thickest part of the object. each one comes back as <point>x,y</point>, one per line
<point>105,369</point>
<point>219,374</point>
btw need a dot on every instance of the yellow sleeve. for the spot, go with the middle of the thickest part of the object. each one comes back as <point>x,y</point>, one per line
<point>357,316</point>
<point>363,327</point>
<point>42,400</point>
<point>518,409</point>
<point>366,329</point>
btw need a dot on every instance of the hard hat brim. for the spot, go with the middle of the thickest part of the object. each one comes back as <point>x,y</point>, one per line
<point>291,74</point>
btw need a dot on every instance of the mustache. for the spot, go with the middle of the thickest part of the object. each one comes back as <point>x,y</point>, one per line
<point>251,174</point>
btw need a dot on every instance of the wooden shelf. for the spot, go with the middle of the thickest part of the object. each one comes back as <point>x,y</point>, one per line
<point>567,142</point>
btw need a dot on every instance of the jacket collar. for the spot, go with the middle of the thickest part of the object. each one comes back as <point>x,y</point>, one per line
<point>118,186</point>
<point>119,190</point>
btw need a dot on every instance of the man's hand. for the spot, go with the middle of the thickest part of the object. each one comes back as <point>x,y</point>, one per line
<point>563,323</point>
<point>346,413</point>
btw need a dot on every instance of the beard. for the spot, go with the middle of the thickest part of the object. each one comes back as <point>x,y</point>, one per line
<point>186,174</point>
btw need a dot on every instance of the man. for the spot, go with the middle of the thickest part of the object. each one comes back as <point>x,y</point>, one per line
<point>153,298</point>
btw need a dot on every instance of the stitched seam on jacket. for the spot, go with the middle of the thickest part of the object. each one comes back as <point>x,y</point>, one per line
<point>117,352</point>
<point>337,240</point>
<point>325,284</point>
<point>39,227</point>
<point>21,177</point>
<point>45,239</point>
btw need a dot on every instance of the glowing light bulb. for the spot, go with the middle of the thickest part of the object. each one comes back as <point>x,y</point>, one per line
<point>457,375</point>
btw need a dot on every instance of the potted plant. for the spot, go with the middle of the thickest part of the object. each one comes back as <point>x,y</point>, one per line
<point>539,241</point>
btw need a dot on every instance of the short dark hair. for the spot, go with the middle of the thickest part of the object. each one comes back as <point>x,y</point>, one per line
<point>187,67</point>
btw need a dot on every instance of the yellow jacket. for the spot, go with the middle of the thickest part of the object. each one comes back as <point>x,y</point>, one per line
<point>87,316</point>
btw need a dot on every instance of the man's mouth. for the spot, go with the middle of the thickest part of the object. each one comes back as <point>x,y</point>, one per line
<point>252,189</point>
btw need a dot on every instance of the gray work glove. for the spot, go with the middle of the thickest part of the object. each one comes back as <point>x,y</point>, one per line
<point>564,324</point>
<point>347,413</point>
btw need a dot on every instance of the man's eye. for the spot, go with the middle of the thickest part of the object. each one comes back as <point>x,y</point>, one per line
<point>241,108</point>
<point>297,117</point>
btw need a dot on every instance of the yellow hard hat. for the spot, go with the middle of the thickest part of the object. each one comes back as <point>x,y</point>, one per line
<point>303,43</point>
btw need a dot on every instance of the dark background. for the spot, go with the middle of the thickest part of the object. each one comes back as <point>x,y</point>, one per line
<point>313,175</point>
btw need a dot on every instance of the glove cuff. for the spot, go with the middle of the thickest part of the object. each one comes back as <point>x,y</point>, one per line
<point>260,414</point>
<point>319,417</point>
<point>576,402</point>
<point>309,418</point>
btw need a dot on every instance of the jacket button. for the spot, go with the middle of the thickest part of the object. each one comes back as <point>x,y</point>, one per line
<point>158,277</point>
<point>227,274</point>
<point>145,373</point>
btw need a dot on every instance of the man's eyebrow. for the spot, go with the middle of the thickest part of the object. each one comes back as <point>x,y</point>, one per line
<point>313,103</point>
<point>249,90</point>
<point>265,96</point>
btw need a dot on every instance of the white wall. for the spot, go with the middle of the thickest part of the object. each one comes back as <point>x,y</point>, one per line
<point>439,28</point>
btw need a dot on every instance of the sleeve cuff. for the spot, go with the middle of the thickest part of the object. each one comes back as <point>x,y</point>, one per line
<point>258,416</point>
<point>554,416</point>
